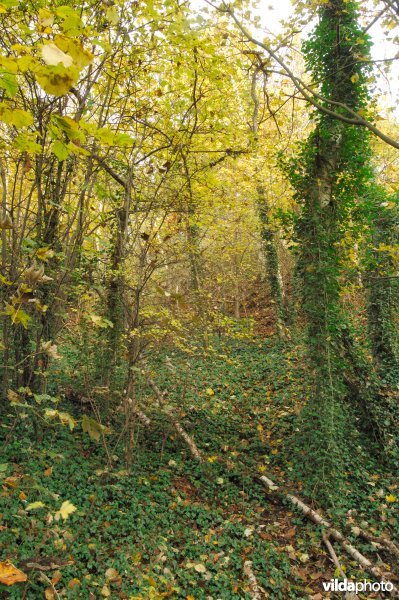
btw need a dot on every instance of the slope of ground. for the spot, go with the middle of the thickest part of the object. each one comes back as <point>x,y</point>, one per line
<point>171,527</point>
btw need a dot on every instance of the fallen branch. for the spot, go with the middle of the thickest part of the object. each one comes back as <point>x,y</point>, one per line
<point>257,591</point>
<point>175,422</point>
<point>379,541</point>
<point>334,533</point>
<point>329,546</point>
<point>333,555</point>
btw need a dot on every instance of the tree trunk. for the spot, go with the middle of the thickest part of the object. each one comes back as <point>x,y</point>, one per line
<point>272,261</point>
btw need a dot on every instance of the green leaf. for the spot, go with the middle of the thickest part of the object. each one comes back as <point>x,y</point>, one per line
<point>92,427</point>
<point>72,23</point>
<point>26,142</point>
<point>60,150</point>
<point>8,82</point>
<point>99,321</point>
<point>18,316</point>
<point>112,15</point>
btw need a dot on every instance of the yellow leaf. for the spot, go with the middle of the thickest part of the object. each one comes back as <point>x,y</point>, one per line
<point>112,15</point>
<point>73,48</point>
<point>67,508</point>
<point>22,496</point>
<point>355,78</point>
<point>210,392</point>
<point>9,574</point>
<point>52,55</point>
<point>390,498</point>
<point>57,80</point>
<point>73,583</point>
<point>44,254</point>
<point>46,18</point>
<point>35,505</point>
<point>15,116</point>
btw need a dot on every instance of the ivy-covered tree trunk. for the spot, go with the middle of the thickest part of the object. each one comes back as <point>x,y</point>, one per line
<point>330,175</point>
<point>115,293</point>
<point>272,263</point>
<point>383,289</point>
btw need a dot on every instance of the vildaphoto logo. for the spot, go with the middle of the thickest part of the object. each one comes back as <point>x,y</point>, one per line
<point>345,585</point>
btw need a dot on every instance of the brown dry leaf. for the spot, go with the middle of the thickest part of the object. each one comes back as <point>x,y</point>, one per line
<point>56,578</point>
<point>12,482</point>
<point>112,575</point>
<point>49,594</point>
<point>22,496</point>
<point>290,533</point>
<point>9,574</point>
<point>319,575</point>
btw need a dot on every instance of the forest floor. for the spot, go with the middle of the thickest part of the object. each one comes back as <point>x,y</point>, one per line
<point>172,528</point>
